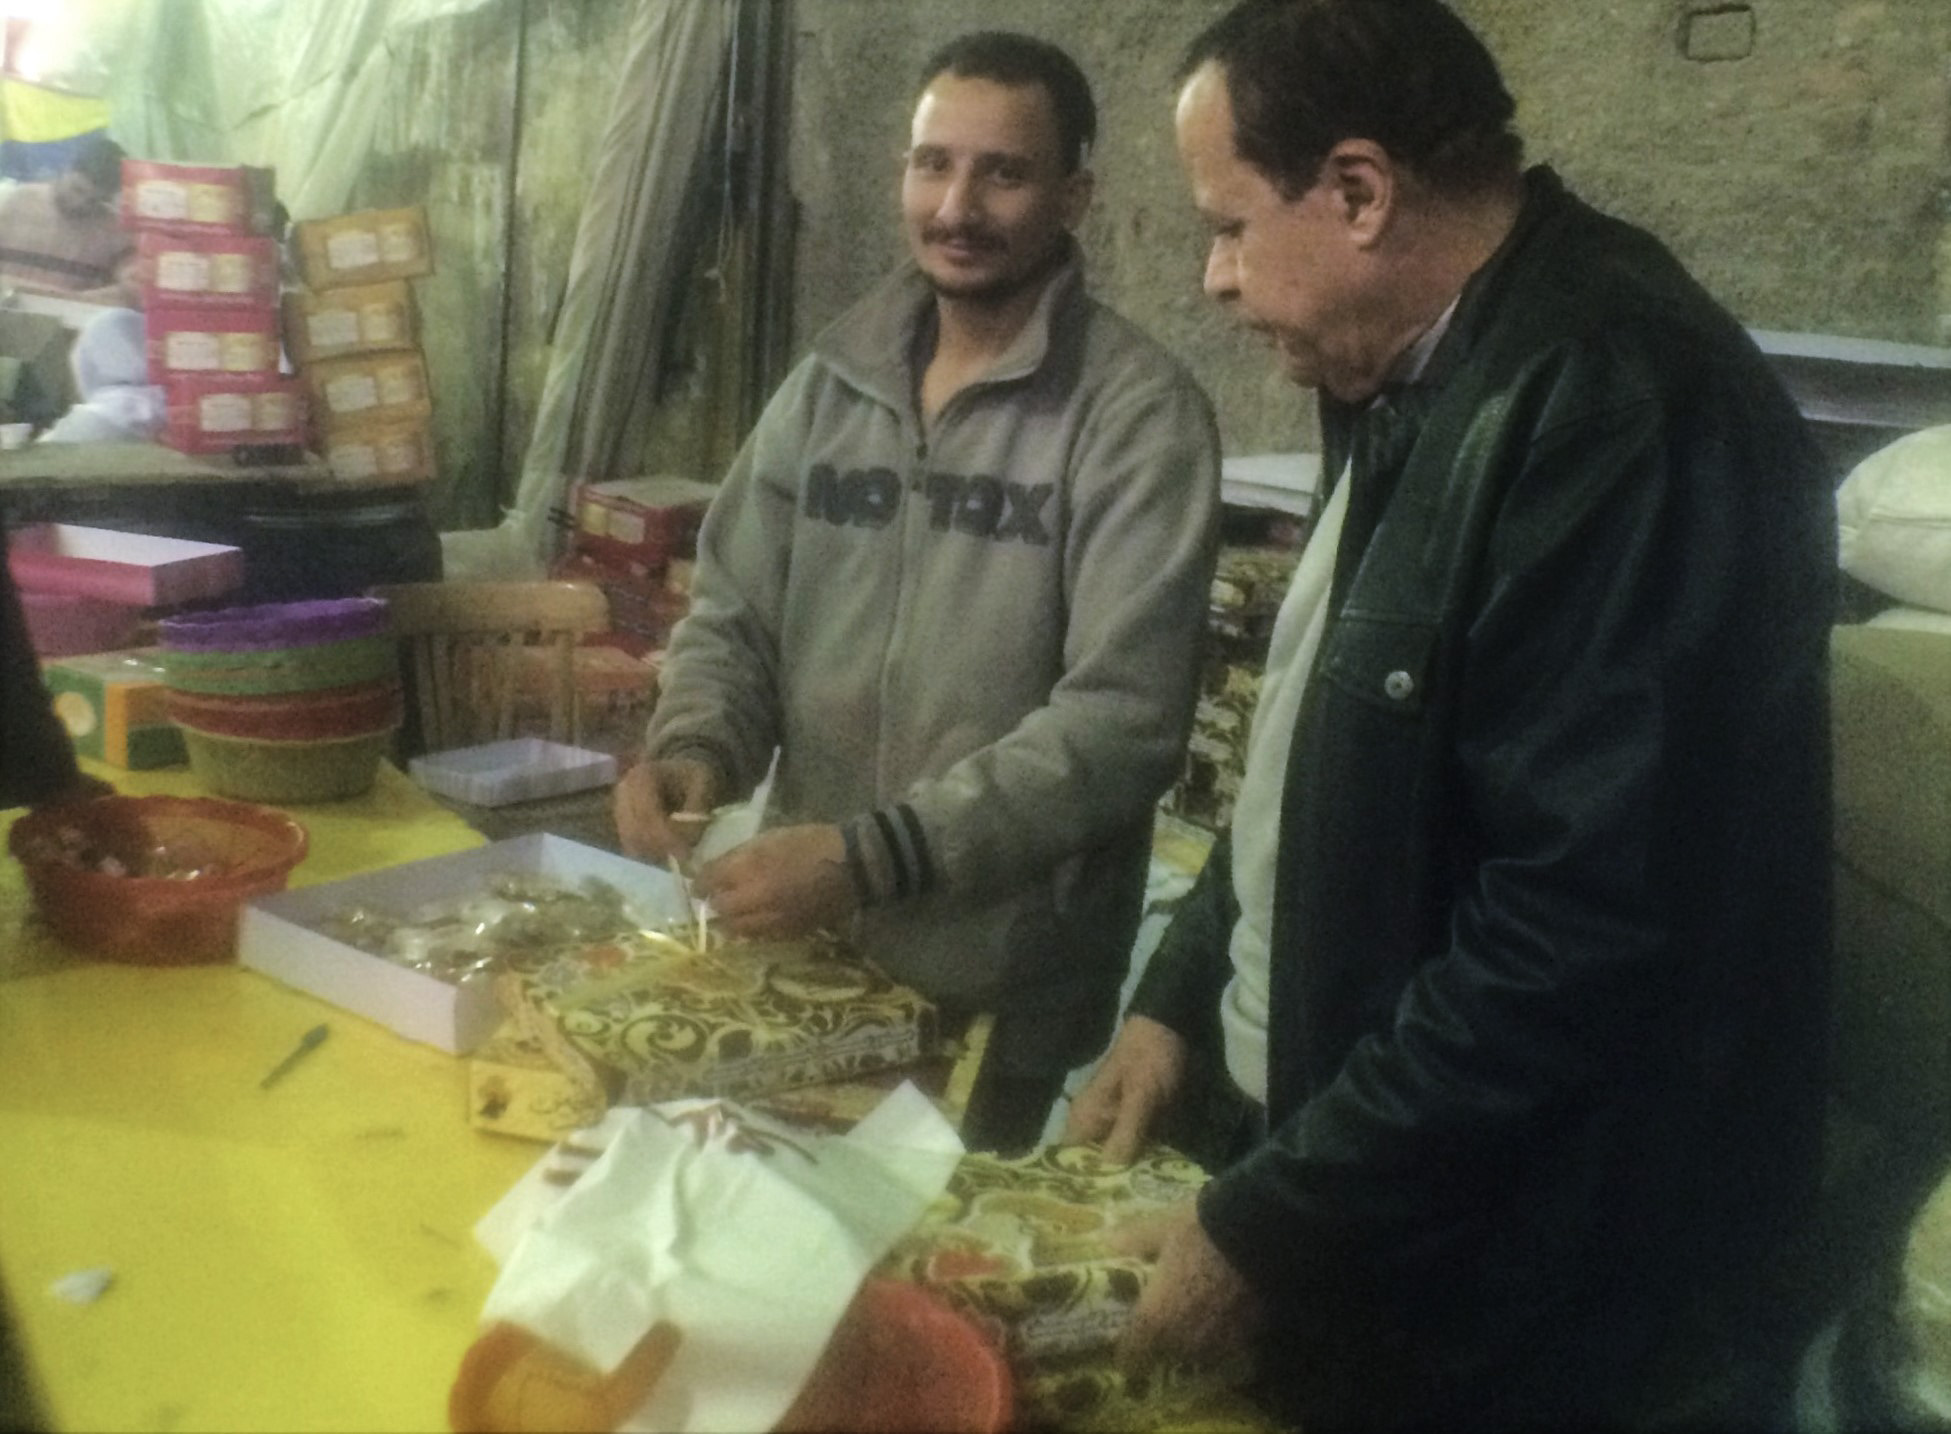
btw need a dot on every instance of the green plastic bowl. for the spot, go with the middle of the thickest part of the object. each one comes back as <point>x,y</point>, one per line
<point>282,669</point>
<point>255,770</point>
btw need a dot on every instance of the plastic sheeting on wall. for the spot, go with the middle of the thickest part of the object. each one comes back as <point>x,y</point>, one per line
<point>621,273</point>
<point>292,84</point>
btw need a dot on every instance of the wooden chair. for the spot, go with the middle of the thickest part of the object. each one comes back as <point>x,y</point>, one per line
<point>473,651</point>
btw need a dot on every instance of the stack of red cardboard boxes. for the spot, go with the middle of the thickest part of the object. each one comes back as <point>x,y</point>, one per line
<point>354,335</point>
<point>209,271</point>
<point>635,539</point>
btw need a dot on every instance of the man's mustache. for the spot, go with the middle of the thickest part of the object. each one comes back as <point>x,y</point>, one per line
<point>968,235</point>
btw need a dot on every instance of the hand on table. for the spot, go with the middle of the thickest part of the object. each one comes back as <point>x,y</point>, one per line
<point>1196,1309</point>
<point>784,882</point>
<point>1137,1078</point>
<point>648,797</point>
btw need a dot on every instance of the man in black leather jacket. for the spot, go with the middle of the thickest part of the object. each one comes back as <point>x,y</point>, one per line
<point>1534,1074</point>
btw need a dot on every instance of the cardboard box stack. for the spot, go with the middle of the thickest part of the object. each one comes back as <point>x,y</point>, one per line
<point>353,331</point>
<point>208,267</point>
<point>635,539</point>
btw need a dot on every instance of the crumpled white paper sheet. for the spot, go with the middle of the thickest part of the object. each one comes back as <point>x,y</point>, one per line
<point>750,1236</point>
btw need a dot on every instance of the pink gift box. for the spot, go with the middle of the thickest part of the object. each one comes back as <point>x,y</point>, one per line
<point>134,570</point>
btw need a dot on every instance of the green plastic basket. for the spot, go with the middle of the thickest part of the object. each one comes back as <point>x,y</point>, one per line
<point>254,770</point>
<point>282,669</point>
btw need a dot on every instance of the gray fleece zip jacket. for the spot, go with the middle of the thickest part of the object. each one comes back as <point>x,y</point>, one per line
<point>974,647</point>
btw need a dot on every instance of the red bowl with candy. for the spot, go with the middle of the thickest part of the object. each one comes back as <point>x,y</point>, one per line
<point>155,881</point>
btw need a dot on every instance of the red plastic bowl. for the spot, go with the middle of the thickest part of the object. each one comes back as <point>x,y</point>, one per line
<point>223,853</point>
<point>900,1362</point>
<point>903,1362</point>
<point>330,713</point>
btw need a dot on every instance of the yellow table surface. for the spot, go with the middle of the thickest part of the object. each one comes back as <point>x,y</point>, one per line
<point>294,1258</point>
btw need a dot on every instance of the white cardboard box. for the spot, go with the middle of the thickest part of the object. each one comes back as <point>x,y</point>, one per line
<point>276,933</point>
<point>524,769</point>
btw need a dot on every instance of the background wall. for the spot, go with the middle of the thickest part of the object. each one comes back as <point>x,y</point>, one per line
<point>1795,153</point>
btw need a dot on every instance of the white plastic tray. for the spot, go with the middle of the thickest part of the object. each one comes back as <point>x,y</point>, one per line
<point>522,770</point>
<point>277,934</point>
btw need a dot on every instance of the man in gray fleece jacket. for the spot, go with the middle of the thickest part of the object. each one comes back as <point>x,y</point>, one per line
<point>957,581</point>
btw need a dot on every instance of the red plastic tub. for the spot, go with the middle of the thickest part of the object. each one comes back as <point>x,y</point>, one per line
<point>295,717</point>
<point>155,881</point>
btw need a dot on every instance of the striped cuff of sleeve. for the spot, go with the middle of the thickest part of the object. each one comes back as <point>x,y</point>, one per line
<point>888,856</point>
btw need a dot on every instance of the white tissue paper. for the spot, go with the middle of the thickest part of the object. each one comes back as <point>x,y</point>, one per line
<point>751,1237</point>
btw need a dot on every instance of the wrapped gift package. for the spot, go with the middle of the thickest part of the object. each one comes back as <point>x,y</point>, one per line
<point>650,1018</point>
<point>363,248</point>
<point>513,1088</point>
<point>139,569</point>
<point>225,269</point>
<point>196,198</point>
<point>1021,1245</point>
<point>112,704</point>
<point>211,338</point>
<point>301,937</point>
<point>215,413</point>
<point>361,318</point>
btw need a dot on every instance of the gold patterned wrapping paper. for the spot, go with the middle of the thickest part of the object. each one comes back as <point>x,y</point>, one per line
<point>646,1020</point>
<point>1021,1245</point>
<point>513,1087</point>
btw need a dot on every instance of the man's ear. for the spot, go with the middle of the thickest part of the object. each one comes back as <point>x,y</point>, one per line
<point>1077,191</point>
<point>1366,187</point>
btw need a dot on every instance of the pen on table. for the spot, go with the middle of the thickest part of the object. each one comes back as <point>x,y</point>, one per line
<point>310,1041</point>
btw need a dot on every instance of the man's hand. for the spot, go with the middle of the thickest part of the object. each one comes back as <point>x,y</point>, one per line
<point>1195,1309</point>
<point>647,797</point>
<point>784,882</point>
<point>1136,1080</point>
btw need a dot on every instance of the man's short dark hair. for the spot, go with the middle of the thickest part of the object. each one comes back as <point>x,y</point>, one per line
<point>99,160</point>
<point>1012,59</point>
<point>1303,75</point>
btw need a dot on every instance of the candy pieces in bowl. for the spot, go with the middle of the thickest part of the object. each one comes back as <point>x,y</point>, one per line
<point>153,880</point>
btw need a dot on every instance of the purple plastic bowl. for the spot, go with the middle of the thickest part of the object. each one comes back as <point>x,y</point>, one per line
<point>278,624</point>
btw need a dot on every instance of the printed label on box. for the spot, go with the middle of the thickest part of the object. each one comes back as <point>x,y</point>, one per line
<point>189,350</point>
<point>381,323</point>
<point>247,353</point>
<point>399,383</point>
<point>162,199</point>
<point>182,269</point>
<point>352,393</point>
<point>399,242</point>
<point>352,249</point>
<point>224,413</point>
<point>333,329</point>
<point>211,203</point>
<point>231,274</point>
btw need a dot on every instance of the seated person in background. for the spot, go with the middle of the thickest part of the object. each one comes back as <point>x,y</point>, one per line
<point>118,404</point>
<point>958,579</point>
<point>64,236</point>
